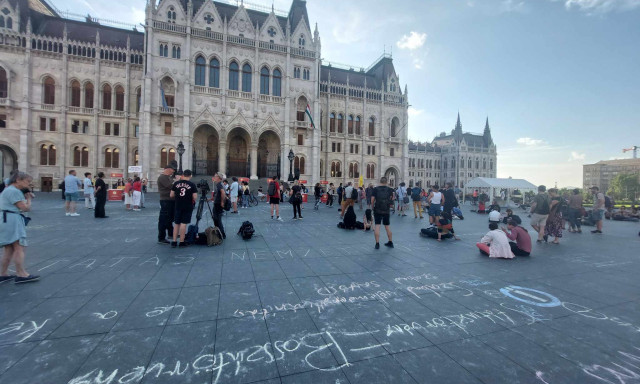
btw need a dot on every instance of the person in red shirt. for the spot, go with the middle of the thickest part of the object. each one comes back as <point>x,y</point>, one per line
<point>274,197</point>
<point>137,193</point>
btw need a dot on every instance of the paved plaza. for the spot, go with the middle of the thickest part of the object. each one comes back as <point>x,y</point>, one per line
<point>306,302</point>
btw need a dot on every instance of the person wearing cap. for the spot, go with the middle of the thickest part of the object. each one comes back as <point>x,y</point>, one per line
<point>520,241</point>
<point>167,205</point>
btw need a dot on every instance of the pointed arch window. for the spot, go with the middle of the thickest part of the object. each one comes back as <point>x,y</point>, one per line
<point>332,122</point>
<point>200,70</point>
<point>358,129</point>
<point>350,125</point>
<point>75,93</point>
<point>301,41</point>
<point>246,78</point>
<point>167,156</point>
<point>49,91</point>
<point>298,163</point>
<point>106,96</point>
<point>233,76</point>
<point>264,81</point>
<point>88,95</point>
<point>119,98</point>
<point>277,82</point>
<point>47,154</point>
<point>214,73</point>
<point>340,127</point>
<point>4,84</point>
<point>371,171</point>
<point>491,164</point>
<point>394,127</point>
<point>112,158</point>
<point>171,15</point>
<point>80,156</point>
<point>336,169</point>
<point>321,168</point>
<point>354,172</point>
<point>372,127</point>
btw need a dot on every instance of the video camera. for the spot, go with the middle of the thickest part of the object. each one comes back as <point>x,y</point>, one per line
<point>203,186</point>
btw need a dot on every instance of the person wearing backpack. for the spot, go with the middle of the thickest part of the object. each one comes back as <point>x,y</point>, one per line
<point>555,223</point>
<point>381,199</point>
<point>416,197</point>
<point>296,200</point>
<point>540,212</point>
<point>273,191</point>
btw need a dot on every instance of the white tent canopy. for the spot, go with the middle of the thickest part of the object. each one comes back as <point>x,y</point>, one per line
<point>493,183</point>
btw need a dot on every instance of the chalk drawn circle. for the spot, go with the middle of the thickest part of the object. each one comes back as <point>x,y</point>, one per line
<point>522,291</point>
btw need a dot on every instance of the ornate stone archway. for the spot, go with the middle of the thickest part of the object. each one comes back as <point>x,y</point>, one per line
<point>238,147</point>
<point>8,160</point>
<point>268,155</point>
<point>205,157</point>
<point>392,176</point>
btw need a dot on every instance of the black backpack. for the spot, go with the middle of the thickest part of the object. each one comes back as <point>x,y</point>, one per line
<point>608,203</point>
<point>246,230</point>
<point>383,200</point>
<point>415,194</point>
<point>354,194</point>
<point>271,190</point>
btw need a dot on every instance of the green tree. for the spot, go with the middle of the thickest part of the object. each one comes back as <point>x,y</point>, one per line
<point>625,186</point>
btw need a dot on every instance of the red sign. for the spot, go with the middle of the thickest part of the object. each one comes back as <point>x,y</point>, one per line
<point>241,179</point>
<point>115,194</point>
<point>303,181</point>
<point>117,175</point>
<point>324,182</point>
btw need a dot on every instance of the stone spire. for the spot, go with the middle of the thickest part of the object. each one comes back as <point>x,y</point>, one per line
<point>487,133</point>
<point>457,131</point>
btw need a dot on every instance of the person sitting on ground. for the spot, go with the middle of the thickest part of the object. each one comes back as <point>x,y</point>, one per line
<point>495,244</point>
<point>367,220</point>
<point>445,227</point>
<point>520,240</point>
<point>457,213</point>
<point>494,206</point>
<point>635,213</point>
<point>481,207</point>
<point>349,220</point>
<point>624,215</point>
<point>261,194</point>
<point>509,212</point>
<point>494,215</point>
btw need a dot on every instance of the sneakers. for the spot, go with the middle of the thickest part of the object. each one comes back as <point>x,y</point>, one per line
<point>183,245</point>
<point>377,246</point>
<point>74,214</point>
<point>67,214</point>
<point>164,241</point>
<point>174,244</point>
<point>294,218</point>
<point>389,244</point>
<point>28,279</point>
<point>300,218</point>
<point>596,231</point>
<point>279,218</point>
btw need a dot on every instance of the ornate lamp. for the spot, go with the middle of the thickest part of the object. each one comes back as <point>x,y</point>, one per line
<point>180,153</point>
<point>291,157</point>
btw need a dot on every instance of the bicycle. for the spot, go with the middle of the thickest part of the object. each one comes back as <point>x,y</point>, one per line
<point>253,200</point>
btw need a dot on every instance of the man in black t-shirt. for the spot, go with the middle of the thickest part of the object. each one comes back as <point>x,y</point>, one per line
<point>218,197</point>
<point>184,193</point>
<point>381,199</point>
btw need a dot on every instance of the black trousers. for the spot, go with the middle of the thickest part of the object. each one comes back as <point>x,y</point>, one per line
<point>217,220</point>
<point>165,219</point>
<point>296,208</point>
<point>517,251</point>
<point>329,199</point>
<point>100,203</point>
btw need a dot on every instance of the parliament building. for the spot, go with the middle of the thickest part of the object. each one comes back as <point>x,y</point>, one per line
<point>241,87</point>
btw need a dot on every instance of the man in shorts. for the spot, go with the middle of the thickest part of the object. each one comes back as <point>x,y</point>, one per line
<point>233,194</point>
<point>274,197</point>
<point>71,189</point>
<point>184,193</point>
<point>598,208</point>
<point>540,211</point>
<point>381,199</point>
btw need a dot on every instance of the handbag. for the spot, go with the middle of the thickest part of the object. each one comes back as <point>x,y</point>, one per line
<point>405,200</point>
<point>25,218</point>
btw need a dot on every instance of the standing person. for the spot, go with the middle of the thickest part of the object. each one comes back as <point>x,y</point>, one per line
<point>219,197</point>
<point>317,193</point>
<point>89,201</point>
<point>167,205</point>
<point>136,193</point>
<point>144,192</point>
<point>273,191</point>
<point>495,243</point>
<point>347,199</point>
<point>436,199</point>
<point>520,240</point>
<point>540,212</point>
<point>368,193</point>
<point>475,197</point>
<point>330,193</point>
<point>450,199</point>
<point>296,195</point>
<point>245,194</point>
<point>101,197</point>
<point>598,208</point>
<point>361,197</point>
<point>381,199</point>
<point>555,223</point>
<point>128,194</point>
<point>233,194</point>
<point>184,193</point>
<point>340,191</point>
<point>402,199</point>
<point>71,189</point>
<point>575,212</point>
<point>416,197</point>
<point>13,235</point>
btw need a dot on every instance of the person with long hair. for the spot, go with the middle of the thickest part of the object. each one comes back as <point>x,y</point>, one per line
<point>101,197</point>
<point>13,235</point>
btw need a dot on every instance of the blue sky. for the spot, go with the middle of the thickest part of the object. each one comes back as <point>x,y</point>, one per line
<point>559,79</point>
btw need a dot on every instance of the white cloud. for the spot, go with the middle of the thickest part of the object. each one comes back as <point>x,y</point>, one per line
<point>414,112</point>
<point>418,63</point>
<point>529,142</point>
<point>601,6</point>
<point>513,6</point>
<point>575,156</point>
<point>413,41</point>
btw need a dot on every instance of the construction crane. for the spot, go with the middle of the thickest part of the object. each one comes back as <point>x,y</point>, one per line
<point>634,149</point>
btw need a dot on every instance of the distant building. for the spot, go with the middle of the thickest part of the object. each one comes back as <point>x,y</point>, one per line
<point>456,158</point>
<point>601,173</point>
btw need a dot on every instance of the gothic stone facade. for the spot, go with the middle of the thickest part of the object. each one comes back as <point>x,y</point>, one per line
<point>230,83</point>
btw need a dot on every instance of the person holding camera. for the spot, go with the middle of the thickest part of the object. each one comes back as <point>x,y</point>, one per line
<point>15,199</point>
<point>219,197</point>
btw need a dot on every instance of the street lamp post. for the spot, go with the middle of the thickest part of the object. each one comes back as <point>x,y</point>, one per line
<point>291,157</point>
<point>180,153</point>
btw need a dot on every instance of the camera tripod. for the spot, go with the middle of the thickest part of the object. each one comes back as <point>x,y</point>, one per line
<point>202,201</point>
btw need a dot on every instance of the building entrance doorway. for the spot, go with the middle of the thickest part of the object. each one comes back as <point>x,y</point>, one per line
<point>205,150</point>
<point>238,161</point>
<point>268,155</point>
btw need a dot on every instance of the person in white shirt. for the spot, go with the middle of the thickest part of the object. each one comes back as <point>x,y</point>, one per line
<point>233,194</point>
<point>89,201</point>
<point>402,193</point>
<point>495,243</point>
<point>494,216</point>
<point>436,201</point>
